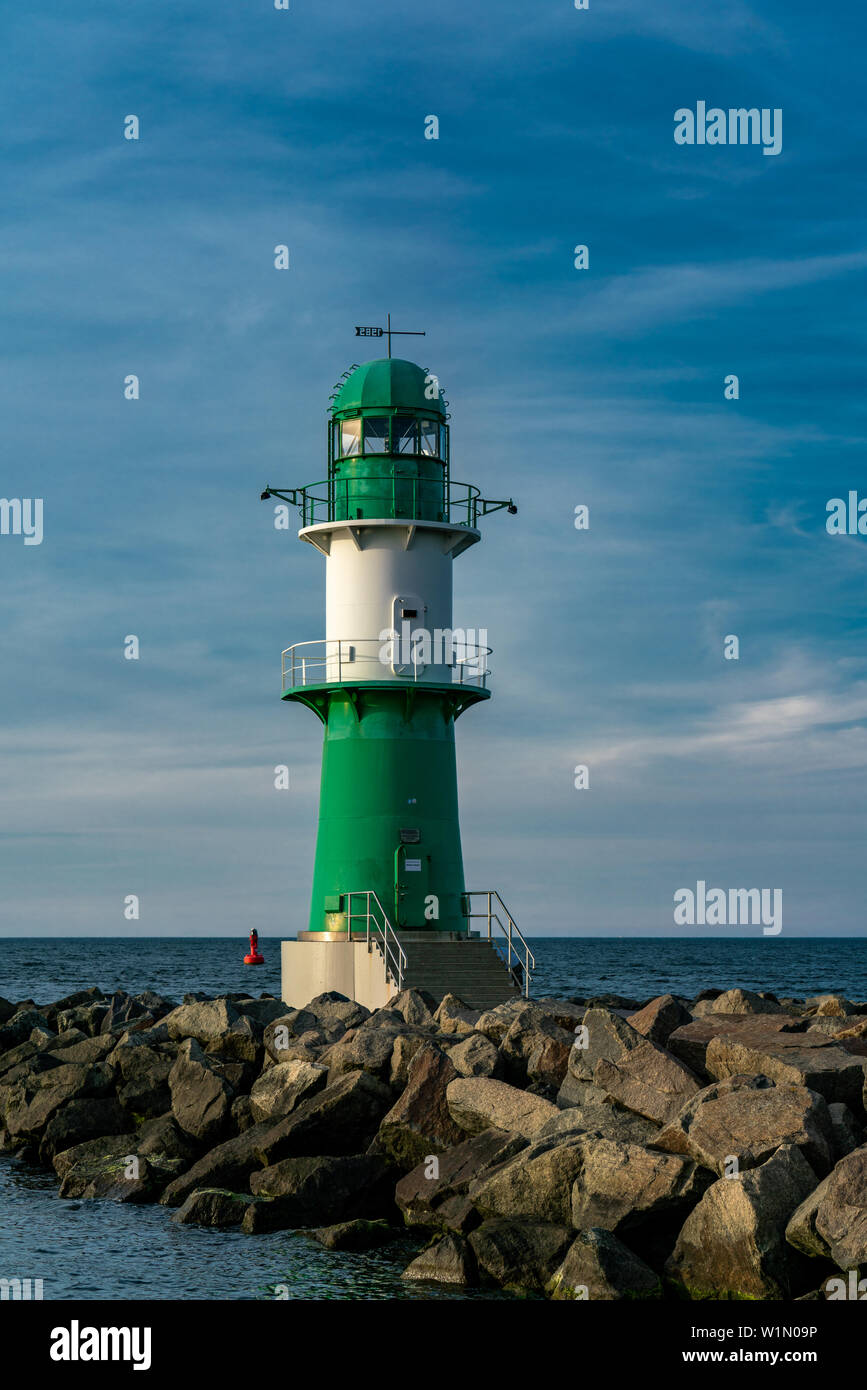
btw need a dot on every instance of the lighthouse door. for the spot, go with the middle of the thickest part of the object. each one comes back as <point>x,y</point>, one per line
<point>412,647</point>
<point>410,885</point>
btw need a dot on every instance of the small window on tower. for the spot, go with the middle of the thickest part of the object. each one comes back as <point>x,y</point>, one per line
<point>409,613</point>
<point>430,438</point>
<point>376,434</point>
<point>350,437</point>
<point>404,434</point>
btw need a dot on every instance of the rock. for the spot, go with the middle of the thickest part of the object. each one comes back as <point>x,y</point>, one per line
<point>241,1114</point>
<point>283,1087</point>
<point>82,997</point>
<point>748,1118</point>
<point>846,1133</point>
<point>42,1038</point>
<point>448,1261</point>
<point>744,1001</point>
<point>333,1010</point>
<point>628,1068</point>
<point>732,1245</point>
<point>369,1048</point>
<point>81,1049</point>
<point>206,1020</point>
<point>598,1266</point>
<point>324,1190</point>
<point>535,1049</point>
<point>640,1195</point>
<point>794,1059</point>
<point>476,1103</point>
<point>566,1013</point>
<point>520,1255</point>
<point>113,1169</point>
<point>7,1009</point>
<point>79,1120</point>
<point>341,1119</point>
<point>406,1045</point>
<point>93,1150</point>
<point>200,1097</point>
<point>658,1019</point>
<point>18,1028</point>
<point>419,1123</point>
<point>599,1117</point>
<point>476,1056</point>
<point>831,1221</point>
<point>241,1043</point>
<point>830,1005</point>
<point>162,1139</point>
<point>435,1193</point>
<point>230,1163</point>
<point>121,1010</point>
<point>454,1016</point>
<point>145,1080</point>
<point>536,1183</point>
<point>356,1235</point>
<point>213,1206</point>
<point>415,1006</point>
<point>87,1017</point>
<point>690,1042</point>
<point>261,1011</point>
<point>278,1037</point>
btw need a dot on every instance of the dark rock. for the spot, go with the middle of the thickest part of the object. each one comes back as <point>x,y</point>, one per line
<point>794,1059</point>
<point>79,1120</point>
<point>145,1080</point>
<point>598,1266</point>
<point>321,1191</point>
<point>19,1027</point>
<point>521,1255</point>
<point>242,1114</point>
<point>200,1097</point>
<point>535,1049</point>
<point>419,1122</point>
<point>213,1206</point>
<point>283,1087</point>
<point>732,1244</point>
<point>356,1235</point>
<point>599,1117</point>
<point>846,1133</point>
<point>122,1009</point>
<point>627,1068</point>
<point>690,1042</point>
<point>449,1260</point>
<point>435,1193</point>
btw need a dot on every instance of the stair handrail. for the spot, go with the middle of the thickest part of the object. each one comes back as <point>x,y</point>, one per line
<point>393,954</point>
<point>529,963</point>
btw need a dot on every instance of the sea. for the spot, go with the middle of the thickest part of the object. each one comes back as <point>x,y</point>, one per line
<point>107,1250</point>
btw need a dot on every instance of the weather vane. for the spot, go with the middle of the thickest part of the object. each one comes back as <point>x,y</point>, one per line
<point>387,332</point>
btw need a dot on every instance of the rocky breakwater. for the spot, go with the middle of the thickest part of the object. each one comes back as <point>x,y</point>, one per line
<point>575,1149</point>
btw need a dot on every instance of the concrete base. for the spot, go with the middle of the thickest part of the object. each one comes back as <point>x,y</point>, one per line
<point>310,967</point>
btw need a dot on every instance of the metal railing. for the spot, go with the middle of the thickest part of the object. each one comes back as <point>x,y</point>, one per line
<point>394,495</point>
<point>521,972</point>
<point>330,660</point>
<point>378,932</point>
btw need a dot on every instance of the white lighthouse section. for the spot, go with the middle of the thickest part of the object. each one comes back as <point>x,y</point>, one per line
<point>392,577</point>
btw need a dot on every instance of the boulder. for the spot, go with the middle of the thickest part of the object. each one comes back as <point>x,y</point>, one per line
<point>449,1260</point>
<point>744,1001</point>
<point>520,1255</point>
<point>241,1115</point>
<point>689,1043</point>
<point>261,1011</point>
<point>406,1045</point>
<point>357,1235</point>
<point>732,1245</point>
<point>241,1043</point>
<point>830,1005</point>
<point>535,1050</point>
<point>144,1088</point>
<point>213,1206</point>
<point>112,1169</point>
<point>658,1019</point>
<point>207,1020</point>
<point>832,1220</point>
<point>598,1266</point>
<point>748,1118</point>
<point>121,1011</point>
<point>368,1048</point>
<point>476,1103</point>
<point>200,1098</point>
<point>602,1118</point>
<point>795,1059</point>
<point>536,1184</point>
<point>454,1016</point>
<point>476,1056</point>
<point>415,1006</point>
<point>229,1164</point>
<point>846,1133</point>
<point>79,1120</point>
<point>18,1028</point>
<point>640,1195</point>
<point>333,1010</point>
<point>419,1123</point>
<point>283,1087</point>
<point>341,1119</point>
<point>627,1067</point>
<point>435,1193</point>
<point>320,1191</point>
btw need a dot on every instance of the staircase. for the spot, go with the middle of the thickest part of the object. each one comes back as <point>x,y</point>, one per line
<point>470,967</point>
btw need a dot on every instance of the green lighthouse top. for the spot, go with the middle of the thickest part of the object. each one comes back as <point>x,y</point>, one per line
<point>391,384</point>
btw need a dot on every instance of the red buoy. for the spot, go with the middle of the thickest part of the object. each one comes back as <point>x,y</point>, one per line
<point>254,958</point>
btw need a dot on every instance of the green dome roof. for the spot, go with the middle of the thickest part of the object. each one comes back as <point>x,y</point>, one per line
<point>388,383</point>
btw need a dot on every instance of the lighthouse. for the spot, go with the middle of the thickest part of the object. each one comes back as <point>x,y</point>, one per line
<point>389,905</point>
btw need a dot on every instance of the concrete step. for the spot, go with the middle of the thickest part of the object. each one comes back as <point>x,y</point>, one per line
<point>471,969</point>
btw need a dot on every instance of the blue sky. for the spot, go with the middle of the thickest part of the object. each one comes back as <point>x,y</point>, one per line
<point>602,387</point>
